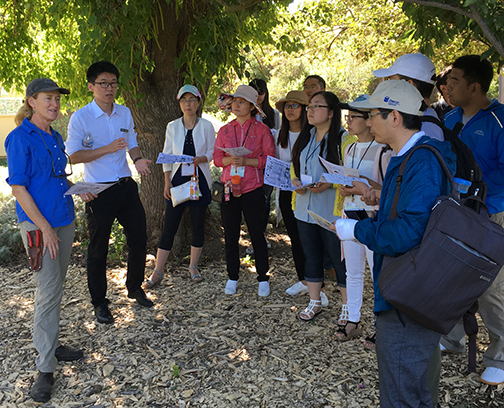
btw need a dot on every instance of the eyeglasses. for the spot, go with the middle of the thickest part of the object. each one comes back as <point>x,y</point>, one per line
<point>292,106</point>
<point>105,85</point>
<point>190,100</point>
<point>350,118</point>
<point>374,114</point>
<point>65,174</point>
<point>313,107</point>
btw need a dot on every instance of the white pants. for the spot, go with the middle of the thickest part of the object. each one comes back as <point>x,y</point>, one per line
<point>355,261</point>
<point>49,282</point>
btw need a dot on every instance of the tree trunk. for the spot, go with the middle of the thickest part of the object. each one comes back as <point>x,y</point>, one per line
<point>160,106</point>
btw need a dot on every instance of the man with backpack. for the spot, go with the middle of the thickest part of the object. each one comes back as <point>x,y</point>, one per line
<point>483,133</point>
<point>403,347</point>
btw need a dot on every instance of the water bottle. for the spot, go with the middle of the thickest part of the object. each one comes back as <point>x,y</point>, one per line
<point>87,140</point>
<point>461,185</point>
<point>236,186</point>
<point>194,190</point>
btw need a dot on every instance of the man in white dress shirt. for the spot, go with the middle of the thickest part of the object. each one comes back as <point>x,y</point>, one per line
<point>98,136</point>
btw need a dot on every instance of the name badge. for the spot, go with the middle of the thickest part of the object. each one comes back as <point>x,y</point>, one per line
<point>238,171</point>
<point>187,169</point>
<point>124,130</point>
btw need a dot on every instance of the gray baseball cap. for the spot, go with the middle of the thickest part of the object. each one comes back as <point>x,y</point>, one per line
<point>44,85</point>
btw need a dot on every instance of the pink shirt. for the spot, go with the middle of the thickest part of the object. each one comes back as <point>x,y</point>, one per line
<point>257,138</point>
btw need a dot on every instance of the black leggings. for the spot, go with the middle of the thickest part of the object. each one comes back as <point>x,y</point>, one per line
<point>173,215</point>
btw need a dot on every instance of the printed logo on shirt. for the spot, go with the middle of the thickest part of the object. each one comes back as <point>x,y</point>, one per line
<point>124,130</point>
<point>480,132</point>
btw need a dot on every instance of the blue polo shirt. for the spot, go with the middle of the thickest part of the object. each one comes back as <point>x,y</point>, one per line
<point>31,165</point>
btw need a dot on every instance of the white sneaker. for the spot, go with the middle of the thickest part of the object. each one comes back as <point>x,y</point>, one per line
<point>296,289</point>
<point>264,289</point>
<point>492,376</point>
<point>231,286</point>
<point>323,299</point>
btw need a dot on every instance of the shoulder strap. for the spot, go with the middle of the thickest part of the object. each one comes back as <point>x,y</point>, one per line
<point>384,149</point>
<point>402,168</point>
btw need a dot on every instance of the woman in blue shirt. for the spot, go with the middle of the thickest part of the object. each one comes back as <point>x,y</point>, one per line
<point>37,162</point>
<point>322,138</point>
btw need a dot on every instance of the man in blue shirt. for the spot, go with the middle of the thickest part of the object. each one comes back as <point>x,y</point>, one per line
<point>483,133</point>
<point>403,347</point>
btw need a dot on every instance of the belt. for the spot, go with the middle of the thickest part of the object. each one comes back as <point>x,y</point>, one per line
<point>122,180</point>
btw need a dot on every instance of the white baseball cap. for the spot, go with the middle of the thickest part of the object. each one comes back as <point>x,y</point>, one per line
<point>396,95</point>
<point>415,66</point>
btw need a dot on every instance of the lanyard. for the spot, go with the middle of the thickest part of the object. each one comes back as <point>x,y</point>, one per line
<point>246,136</point>
<point>362,157</point>
<point>310,155</point>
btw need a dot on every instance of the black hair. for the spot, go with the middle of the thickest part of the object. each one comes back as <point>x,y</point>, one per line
<point>318,78</point>
<point>410,122</point>
<point>424,88</point>
<point>476,70</point>
<point>333,139</point>
<point>99,68</point>
<point>260,86</point>
<point>283,133</point>
<point>442,78</point>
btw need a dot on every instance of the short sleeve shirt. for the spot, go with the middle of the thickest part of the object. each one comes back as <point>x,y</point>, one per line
<point>104,130</point>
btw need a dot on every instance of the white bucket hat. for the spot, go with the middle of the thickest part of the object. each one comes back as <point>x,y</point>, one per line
<point>415,66</point>
<point>395,95</point>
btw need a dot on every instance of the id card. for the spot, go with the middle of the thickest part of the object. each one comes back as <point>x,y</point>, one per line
<point>187,169</point>
<point>305,179</point>
<point>238,171</point>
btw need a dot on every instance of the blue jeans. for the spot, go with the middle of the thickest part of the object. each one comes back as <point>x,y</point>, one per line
<point>404,350</point>
<point>314,240</point>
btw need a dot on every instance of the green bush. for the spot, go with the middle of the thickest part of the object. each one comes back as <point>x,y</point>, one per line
<point>11,245</point>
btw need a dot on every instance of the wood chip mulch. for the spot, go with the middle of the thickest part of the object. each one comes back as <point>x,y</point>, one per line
<point>201,348</point>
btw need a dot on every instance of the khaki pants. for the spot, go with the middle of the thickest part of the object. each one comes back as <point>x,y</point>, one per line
<point>48,295</point>
<point>491,310</point>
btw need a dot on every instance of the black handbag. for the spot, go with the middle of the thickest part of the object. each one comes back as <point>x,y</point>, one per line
<point>218,191</point>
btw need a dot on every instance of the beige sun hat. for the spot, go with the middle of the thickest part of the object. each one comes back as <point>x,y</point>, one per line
<point>396,95</point>
<point>246,92</point>
<point>293,96</point>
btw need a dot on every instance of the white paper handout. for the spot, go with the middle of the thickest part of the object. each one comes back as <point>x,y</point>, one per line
<point>277,174</point>
<point>319,220</point>
<point>236,151</point>
<point>173,158</point>
<point>83,187</point>
<point>344,180</point>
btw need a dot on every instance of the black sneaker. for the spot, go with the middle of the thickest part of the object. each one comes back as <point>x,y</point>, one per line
<point>41,389</point>
<point>63,353</point>
<point>139,295</point>
<point>103,314</point>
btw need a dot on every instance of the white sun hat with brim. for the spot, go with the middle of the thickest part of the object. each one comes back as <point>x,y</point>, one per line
<point>246,92</point>
<point>395,95</point>
<point>414,66</point>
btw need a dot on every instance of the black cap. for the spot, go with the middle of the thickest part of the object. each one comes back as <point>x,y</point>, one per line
<point>44,85</point>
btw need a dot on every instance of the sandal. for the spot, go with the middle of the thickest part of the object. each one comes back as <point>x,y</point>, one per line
<point>370,342</point>
<point>313,308</point>
<point>149,284</point>
<point>344,316</point>
<point>196,278</point>
<point>343,335</point>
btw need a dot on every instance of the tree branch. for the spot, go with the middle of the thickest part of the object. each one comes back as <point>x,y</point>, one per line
<point>242,5</point>
<point>488,34</point>
<point>473,14</point>
<point>443,6</point>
